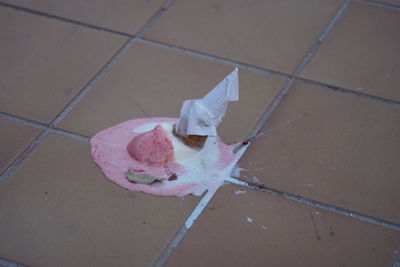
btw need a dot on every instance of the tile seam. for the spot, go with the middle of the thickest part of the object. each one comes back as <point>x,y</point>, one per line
<point>396,262</point>
<point>334,88</point>
<point>21,157</point>
<point>63,19</point>
<point>214,58</point>
<point>174,243</point>
<point>288,85</point>
<point>81,94</point>
<point>42,126</point>
<point>379,4</point>
<point>317,204</point>
<point>8,263</point>
<point>197,53</point>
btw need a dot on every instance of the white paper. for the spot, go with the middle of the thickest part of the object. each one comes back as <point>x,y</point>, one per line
<point>202,116</point>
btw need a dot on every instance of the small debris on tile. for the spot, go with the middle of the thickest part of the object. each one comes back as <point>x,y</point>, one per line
<point>236,172</point>
<point>254,179</point>
<point>264,227</point>
<point>141,178</point>
<point>250,220</point>
<point>240,192</point>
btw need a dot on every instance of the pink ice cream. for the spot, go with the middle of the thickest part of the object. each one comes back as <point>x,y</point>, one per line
<point>152,148</point>
<point>128,147</point>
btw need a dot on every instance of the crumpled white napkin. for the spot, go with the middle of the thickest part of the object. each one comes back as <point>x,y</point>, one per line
<point>202,116</point>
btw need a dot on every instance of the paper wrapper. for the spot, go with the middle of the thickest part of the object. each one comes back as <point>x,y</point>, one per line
<point>201,117</point>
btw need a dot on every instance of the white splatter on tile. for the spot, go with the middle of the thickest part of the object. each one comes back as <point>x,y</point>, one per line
<point>255,179</point>
<point>236,171</point>
<point>250,220</point>
<point>240,192</point>
<point>264,227</point>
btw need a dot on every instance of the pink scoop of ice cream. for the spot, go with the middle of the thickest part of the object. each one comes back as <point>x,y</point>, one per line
<point>152,148</point>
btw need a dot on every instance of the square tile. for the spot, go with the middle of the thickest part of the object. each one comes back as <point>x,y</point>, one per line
<point>120,15</point>
<point>272,34</point>
<point>15,137</point>
<point>59,210</point>
<point>361,53</point>
<point>331,147</point>
<point>257,229</point>
<point>44,63</point>
<point>153,81</point>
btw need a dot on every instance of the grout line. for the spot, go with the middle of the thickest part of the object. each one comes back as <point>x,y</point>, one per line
<point>42,126</point>
<point>94,81</point>
<point>23,121</point>
<point>161,260</point>
<point>63,19</point>
<point>72,104</point>
<point>173,244</point>
<point>316,204</point>
<point>27,151</point>
<point>204,55</point>
<point>379,4</point>
<point>213,58</point>
<point>170,248</point>
<point>321,38</point>
<point>288,85</point>
<point>78,137</point>
<point>7,263</point>
<point>107,67</point>
<point>378,99</point>
<point>396,262</point>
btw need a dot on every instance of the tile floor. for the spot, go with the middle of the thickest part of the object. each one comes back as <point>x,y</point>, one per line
<point>319,101</point>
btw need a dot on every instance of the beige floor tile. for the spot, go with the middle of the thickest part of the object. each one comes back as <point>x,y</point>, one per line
<point>361,53</point>
<point>331,147</point>
<point>273,34</point>
<point>14,138</point>
<point>120,15</point>
<point>59,210</point>
<point>257,229</point>
<point>154,81</point>
<point>44,63</point>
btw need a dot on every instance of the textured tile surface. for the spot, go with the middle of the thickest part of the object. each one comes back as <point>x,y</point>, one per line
<point>361,53</point>
<point>257,229</point>
<point>273,34</point>
<point>120,15</point>
<point>44,63</point>
<point>154,81</point>
<point>59,210</point>
<point>332,147</point>
<point>14,138</point>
